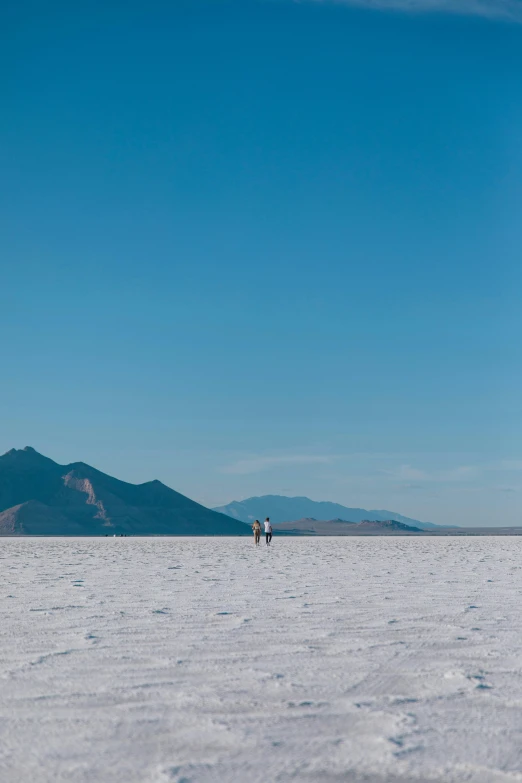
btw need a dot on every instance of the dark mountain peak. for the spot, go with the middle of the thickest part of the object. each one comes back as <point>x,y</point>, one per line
<point>27,456</point>
<point>26,450</point>
<point>82,467</point>
<point>157,488</point>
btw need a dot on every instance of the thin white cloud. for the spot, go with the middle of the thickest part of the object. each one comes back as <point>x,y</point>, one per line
<point>508,464</point>
<point>408,473</point>
<point>258,464</point>
<point>503,9</point>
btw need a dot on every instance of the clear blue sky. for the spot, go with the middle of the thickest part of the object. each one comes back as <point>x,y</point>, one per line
<point>252,247</point>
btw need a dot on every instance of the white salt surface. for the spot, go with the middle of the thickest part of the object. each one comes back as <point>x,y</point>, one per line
<point>205,660</point>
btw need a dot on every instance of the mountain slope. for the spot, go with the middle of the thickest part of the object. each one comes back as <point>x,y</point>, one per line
<point>40,497</point>
<point>284,509</point>
<point>341,527</point>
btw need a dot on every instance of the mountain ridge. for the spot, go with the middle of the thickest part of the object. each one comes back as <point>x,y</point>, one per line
<point>281,508</point>
<point>38,496</point>
<point>343,527</point>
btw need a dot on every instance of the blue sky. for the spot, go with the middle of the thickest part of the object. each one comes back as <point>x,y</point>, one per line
<point>253,247</point>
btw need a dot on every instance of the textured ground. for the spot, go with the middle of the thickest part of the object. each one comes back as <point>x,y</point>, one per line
<point>167,660</point>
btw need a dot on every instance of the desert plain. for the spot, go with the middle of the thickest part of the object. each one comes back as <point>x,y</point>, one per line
<point>184,660</point>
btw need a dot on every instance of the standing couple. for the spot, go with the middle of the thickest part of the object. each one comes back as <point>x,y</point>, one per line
<point>256,527</point>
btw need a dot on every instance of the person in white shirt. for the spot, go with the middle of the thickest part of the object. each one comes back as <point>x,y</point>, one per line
<point>268,531</point>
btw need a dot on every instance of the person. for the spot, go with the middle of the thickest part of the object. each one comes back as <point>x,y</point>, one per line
<point>268,531</point>
<point>256,527</point>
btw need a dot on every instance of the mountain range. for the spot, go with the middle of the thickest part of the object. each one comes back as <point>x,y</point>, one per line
<point>340,527</point>
<point>286,509</point>
<point>41,497</point>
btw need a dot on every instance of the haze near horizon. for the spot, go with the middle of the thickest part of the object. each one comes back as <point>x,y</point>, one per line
<point>261,248</point>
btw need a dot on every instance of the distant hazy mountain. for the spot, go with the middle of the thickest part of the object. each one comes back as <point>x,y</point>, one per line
<point>283,509</point>
<point>341,527</point>
<point>40,497</point>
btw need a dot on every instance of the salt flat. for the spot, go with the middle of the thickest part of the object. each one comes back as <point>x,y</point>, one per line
<point>333,659</point>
